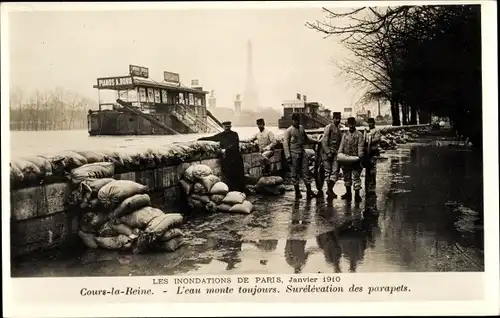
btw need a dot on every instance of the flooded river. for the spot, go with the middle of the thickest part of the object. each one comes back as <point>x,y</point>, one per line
<point>426,216</point>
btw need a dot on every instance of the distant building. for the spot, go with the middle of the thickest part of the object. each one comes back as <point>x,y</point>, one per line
<point>212,101</point>
<point>237,104</point>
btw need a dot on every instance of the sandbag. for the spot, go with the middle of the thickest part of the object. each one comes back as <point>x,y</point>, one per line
<point>121,228</point>
<point>164,222</point>
<point>224,207</point>
<point>97,170</point>
<point>269,181</point>
<point>343,158</point>
<point>16,176</point>
<point>88,239</point>
<point>195,204</point>
<point>198,188</point>
<point>196,172</point>
<point>217,198</point>
<point>202,198</point>
<point>107,231</point>
<point>211,206</point>
<point>90,188</point>
<point>94,203</point>
<point>42,163</point>
<point>29,170</point>
<point>118,190</point>
<point>219,188</point>
<point>112,243</point>
<point>95,219</point>
<point>310,153</point>
<point>91,156</point>
<point>172,245</point>
<point>70,159</point>
<point>170,234</point>
<point>113,157</point>
<point>131,204</point>
<point>209,181</point>
<point>140,218</point>
<point>186,187</point>
<point>246,207</point>
<point>234,197</point>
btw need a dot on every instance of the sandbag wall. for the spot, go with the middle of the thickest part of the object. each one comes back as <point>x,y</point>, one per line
<point>116,214</point>
<point>205,191</point>
<point>41,215</point>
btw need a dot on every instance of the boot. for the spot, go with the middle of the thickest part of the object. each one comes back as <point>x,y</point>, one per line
<point>320,193</point>
<point>330,192</point>
<point>347,195</point>
<point>309,192</point>
<point>357,197</point>
<point>298,195</point>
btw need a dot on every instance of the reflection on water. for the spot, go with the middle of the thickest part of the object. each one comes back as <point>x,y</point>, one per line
<point>426,215</point>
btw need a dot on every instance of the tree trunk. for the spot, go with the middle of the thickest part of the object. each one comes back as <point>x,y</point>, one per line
<point>413,119</point>
<point>404,113</point>
<point>395,113</point>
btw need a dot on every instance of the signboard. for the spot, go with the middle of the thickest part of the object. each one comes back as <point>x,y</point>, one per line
<point>194,82</point>
<point>293,104</point>
<point>138,71</point>
<point>171,77</point>
<point>115,82</point>
<point>348,110</point>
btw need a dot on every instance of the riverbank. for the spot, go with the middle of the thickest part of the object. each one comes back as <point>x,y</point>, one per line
<point>42,218</point>
<point>426,216</point>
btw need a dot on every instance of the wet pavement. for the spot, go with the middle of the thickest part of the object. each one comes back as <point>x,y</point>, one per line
<point>426,215</point>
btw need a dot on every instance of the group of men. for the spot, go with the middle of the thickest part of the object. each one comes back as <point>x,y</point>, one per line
<point>334,141</point>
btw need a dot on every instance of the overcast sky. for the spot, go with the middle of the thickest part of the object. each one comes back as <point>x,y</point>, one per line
<point>72,49</point>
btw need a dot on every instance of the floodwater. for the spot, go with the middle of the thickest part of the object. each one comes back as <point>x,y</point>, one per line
<point>25,143</point>
<point>426,216</point>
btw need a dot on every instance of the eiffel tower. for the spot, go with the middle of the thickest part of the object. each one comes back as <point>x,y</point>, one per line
<point>250,96</point>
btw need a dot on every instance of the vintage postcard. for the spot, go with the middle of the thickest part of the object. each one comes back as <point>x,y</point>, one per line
<point>249,158</point>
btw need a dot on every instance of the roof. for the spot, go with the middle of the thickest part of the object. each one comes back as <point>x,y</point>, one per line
<point>140,81</point>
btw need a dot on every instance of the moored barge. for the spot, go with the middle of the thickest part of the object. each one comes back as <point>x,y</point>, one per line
<point>138,105</point>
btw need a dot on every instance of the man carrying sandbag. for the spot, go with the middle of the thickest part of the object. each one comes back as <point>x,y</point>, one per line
<point>330,144</point>
<point>293,145</point>
<point>372,140</point>
<point>266,141</point>
<point>352,144</point>
<point>232,161</point>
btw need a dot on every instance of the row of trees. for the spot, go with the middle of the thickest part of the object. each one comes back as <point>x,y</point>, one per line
<point>423,60</point>
<point>54,110</point>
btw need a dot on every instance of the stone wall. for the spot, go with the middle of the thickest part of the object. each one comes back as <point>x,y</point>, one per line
<point>41,217</point>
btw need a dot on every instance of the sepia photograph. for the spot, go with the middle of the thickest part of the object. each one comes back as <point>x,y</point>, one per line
<point>300,140</point>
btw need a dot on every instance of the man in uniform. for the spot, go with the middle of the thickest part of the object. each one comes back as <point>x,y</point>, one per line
<point>266,141</point>
<point>352,144</point>
<point>232,161</point>
<point>330,145</point>
<point>294,139</point>
<point>372,140</point>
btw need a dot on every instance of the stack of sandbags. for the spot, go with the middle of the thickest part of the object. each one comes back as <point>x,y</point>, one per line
<point>118,214</point>
<point>272,185</point>
<point>233,202</point>
<point>204,190</point>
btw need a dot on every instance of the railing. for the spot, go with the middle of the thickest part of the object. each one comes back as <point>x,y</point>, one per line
<point>323,120</point>
<point>192,121</point>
